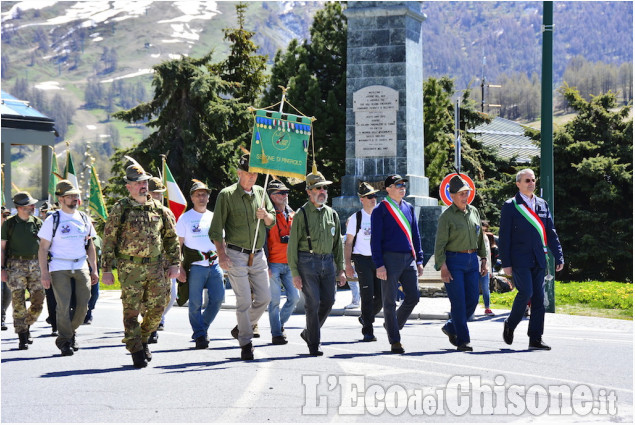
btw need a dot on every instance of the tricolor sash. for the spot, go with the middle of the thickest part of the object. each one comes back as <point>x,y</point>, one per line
<point>535,221</point>
<point>401,220</point>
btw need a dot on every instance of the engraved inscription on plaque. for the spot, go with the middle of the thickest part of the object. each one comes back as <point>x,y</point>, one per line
<point>375,110</point>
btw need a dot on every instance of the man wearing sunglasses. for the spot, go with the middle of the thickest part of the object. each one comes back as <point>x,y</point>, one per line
<point>357,250</point>
<point>396,251</point>
<point>526,231</point>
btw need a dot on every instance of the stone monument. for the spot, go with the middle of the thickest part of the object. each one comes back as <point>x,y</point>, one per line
<point>384,107</point>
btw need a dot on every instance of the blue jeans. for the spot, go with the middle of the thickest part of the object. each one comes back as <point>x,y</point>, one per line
<point>199,278</point>
<point>400,268</point>
<point>483,282</point>
<point>318,286</point>
<point>462,291</point>
<point>281,276</point>
<point>530,284</point>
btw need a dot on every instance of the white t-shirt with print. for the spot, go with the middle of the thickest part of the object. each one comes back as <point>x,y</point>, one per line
<point>362,244</point>
<point>194,227</point>
<point>69,241</point>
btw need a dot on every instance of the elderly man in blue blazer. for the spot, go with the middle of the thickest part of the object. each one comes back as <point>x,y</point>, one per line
<point>526,232</point>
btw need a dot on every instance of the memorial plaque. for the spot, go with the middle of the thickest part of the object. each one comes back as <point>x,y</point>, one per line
<point>375,109</point>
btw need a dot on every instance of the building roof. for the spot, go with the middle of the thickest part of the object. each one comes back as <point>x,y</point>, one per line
<point>19,114</point>
<point>508,139</point>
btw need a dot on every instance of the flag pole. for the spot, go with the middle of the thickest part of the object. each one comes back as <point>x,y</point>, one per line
<point>250,261</point>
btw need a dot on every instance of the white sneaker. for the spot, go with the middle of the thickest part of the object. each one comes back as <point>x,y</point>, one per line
<point>351,306</point>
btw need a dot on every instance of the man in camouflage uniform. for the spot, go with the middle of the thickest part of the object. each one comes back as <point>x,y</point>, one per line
<point>139,232</point>
<point>20,268</point>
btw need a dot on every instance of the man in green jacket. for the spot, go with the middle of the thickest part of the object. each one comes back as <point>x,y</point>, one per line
<point>237,212</point>
<point>316,256</point>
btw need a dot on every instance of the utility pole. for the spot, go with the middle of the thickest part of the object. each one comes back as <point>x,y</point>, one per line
<point>483,85</point>
<point>546,138</point>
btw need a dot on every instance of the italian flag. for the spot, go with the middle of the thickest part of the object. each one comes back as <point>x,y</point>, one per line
<point>69,170</point>
<point>176,200</point>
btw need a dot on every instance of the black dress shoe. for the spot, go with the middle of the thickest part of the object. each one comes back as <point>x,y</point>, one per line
<point>537,344</point>
<point>397,348</point>
<point>139,359</point>
<point>464,347</point>
<point>153,338</point>
<point>202,342</point>
<point>146,351</point>
<point>450,336</point>
<point>278,340</point>
<point>508,334</point>
<point>369,338</point>
<point>247,352</point>
<point>234,332</point>
<point>315,353</point>
<point>67,350</point>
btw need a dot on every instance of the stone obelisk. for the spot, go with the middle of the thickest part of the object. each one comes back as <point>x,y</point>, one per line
<point>384,107</point>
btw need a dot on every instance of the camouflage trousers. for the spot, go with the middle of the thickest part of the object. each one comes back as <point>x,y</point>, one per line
<point>25,275</point>
<point>142,285</point>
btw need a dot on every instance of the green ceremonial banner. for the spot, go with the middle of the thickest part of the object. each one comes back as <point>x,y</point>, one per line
<point>96,200</point>
<point>279,144</point>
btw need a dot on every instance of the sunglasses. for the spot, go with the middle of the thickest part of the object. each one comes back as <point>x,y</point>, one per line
<point>530,180</point>
<point>282,192</point>
<point>371,196</point>
<point>400,185</point>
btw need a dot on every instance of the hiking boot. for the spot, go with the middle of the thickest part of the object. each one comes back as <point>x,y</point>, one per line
<point>508,334</point>
<point>464,347</point>
<point>538,344</point>
<point>315,352</point>
<point>234,332</point>
<point>247,352</point>
<point>201,342</point>
<point>139,359</point>
<point>28,335</point>
<point>279,340</point>
<point>397,348</point>
<point>153,338</point>
<point>146,351</point>
<point>67,350</point>
<point>73,343</point>
<point>24,344</point>
<point>256,331</point>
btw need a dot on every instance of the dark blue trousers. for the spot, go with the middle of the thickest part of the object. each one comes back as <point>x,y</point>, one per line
<point>318,286</point>
<point>400,268</point>
<point>530,284</point>
<point>462,292</point>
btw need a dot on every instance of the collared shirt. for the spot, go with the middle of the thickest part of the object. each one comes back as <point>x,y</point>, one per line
<point>24,241</point>
<point>326,236</point>
<point>458,231</point>
<point>235,213</point>
<point>276,250</point>
<point>387,236</point>
<point>531,203</point>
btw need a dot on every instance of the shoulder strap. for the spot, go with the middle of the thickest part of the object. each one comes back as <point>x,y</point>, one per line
<point>308,234</point>
<point>358,225</point>
<point>56,223</point>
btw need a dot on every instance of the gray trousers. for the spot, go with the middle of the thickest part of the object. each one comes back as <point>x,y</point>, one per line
<point>318,286</point>
<point>251,286</point>
<point>61,284</point>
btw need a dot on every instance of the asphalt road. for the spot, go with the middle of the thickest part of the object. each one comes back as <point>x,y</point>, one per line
<point>586,377</point>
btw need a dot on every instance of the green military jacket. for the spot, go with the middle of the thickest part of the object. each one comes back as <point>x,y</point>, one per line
<point>458,231</point>
<point>140,230</point>
<point>326,236</point>
<point>21,236</point>
<point>235,213</point>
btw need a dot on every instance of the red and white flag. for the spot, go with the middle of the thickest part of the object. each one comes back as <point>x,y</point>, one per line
<point>176,200</point>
